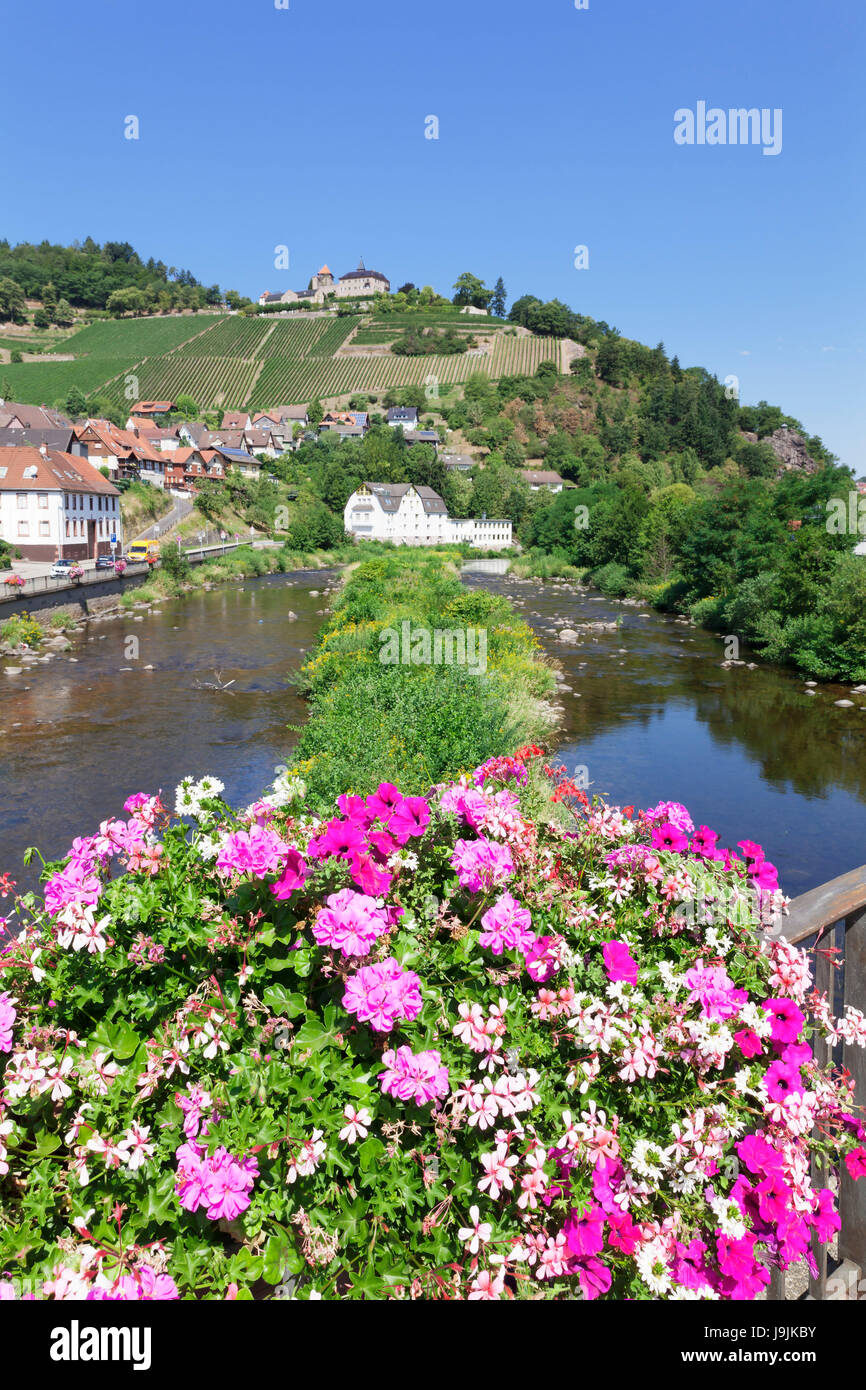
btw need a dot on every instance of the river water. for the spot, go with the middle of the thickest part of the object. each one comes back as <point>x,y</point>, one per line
<point>652,716</point>
<point>79,735</point>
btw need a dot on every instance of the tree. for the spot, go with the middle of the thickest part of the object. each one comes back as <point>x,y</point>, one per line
<point>315,412</point>
<point>497,299</point>
<point>186,405</point>
<point>470,290</point>
<point>41,319</point>
<point>315,528</point>
<point>514,454</point>
<point>63,315</point>
<point>12,304</point>
<point>49,297</point>
<point>75,404</point>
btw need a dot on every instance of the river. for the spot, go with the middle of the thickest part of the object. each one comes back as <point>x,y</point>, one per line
<point>79,735</point>
<point>652,716</point>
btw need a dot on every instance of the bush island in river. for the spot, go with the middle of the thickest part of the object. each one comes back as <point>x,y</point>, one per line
<point>416,722</point>
<point>459,1045</point>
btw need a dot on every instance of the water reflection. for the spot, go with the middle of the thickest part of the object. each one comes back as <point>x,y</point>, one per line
<point>79,736</point>
<point>652,715</point>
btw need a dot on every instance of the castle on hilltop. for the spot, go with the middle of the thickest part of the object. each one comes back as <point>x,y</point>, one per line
<point>357,282</point>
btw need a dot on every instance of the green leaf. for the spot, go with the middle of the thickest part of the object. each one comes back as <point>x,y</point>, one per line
<point>280,1001</point>
<point>46,1143</point>
<point>281,1258</point>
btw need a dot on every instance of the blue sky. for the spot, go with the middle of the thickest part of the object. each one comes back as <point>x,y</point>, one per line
<point>305,126</point>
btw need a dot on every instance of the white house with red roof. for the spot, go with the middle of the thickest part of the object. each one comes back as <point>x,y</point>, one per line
<point>55,505</point>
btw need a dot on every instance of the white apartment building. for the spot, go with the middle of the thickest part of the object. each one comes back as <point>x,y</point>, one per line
<point>410,515</point>
<point>55,505</point>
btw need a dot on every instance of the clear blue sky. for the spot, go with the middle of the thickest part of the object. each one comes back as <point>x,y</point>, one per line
<point>305,126</point>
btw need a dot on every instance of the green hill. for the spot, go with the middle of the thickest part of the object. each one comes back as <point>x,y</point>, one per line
<point>233,362</point>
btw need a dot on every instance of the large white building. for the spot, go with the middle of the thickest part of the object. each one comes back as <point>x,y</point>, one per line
<point>410,515</point>
<point>57,506</point>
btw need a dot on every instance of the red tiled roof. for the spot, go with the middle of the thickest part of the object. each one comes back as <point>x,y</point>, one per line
<point>152,407</point>
<point>55,472</point>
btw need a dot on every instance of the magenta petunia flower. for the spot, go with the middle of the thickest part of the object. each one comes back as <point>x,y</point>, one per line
<point>786,1019</point>
<point>410,819</point>
<point>383,801</point>
<point>669,836</point>
<point>758,1155</point>
<point>855,1161</point>
<point>356,810</point>
<point>704,842</point>
<point>826,1219</point>
<point>594,1275</point>
<point>752,853</point>
<point>341,837</point>
<point>368,876</point>
<point>748,1042</point>
<point>294,875</point>
<point>618,962</point>
<point>584,1234</point>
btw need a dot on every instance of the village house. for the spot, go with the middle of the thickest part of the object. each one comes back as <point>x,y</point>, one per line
<point>123,452</point>
<point>403,415</point>
<point>146,410</point>
<point>239,461</point>
<point>56,505</point>
<point>190,467</point>
<point>16,416</point>
<point>423,437</point>
<point>236,420</point>
<point>341,422</point>
<point>539,478</point>
<point>408,514</point>
<point>62,440</point>
<point>192,433</point>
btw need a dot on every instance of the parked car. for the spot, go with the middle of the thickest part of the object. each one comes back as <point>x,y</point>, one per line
<point>104,562</point>
<point>60,569</point>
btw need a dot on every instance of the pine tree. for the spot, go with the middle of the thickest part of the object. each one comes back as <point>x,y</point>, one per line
<point>497,303</point>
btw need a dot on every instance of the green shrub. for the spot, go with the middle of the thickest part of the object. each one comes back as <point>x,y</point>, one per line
<point>612,579</point>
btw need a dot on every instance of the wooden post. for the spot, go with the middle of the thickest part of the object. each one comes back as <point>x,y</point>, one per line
<point>852,1206</point>
<point>825,981</point>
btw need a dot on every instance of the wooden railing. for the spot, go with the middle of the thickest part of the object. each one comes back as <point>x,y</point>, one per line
<point>830,923</point>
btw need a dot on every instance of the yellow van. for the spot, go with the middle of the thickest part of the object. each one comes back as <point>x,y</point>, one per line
<point>143,550</point>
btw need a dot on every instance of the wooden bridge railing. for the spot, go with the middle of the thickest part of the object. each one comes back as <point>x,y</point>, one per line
<point>830,923</point>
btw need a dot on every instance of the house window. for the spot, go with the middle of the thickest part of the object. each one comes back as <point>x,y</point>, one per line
<point>43,499</point>
<point>68,524</point>
<point>45,528</point>
<point>22,501</point>
<point>24,528</point>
